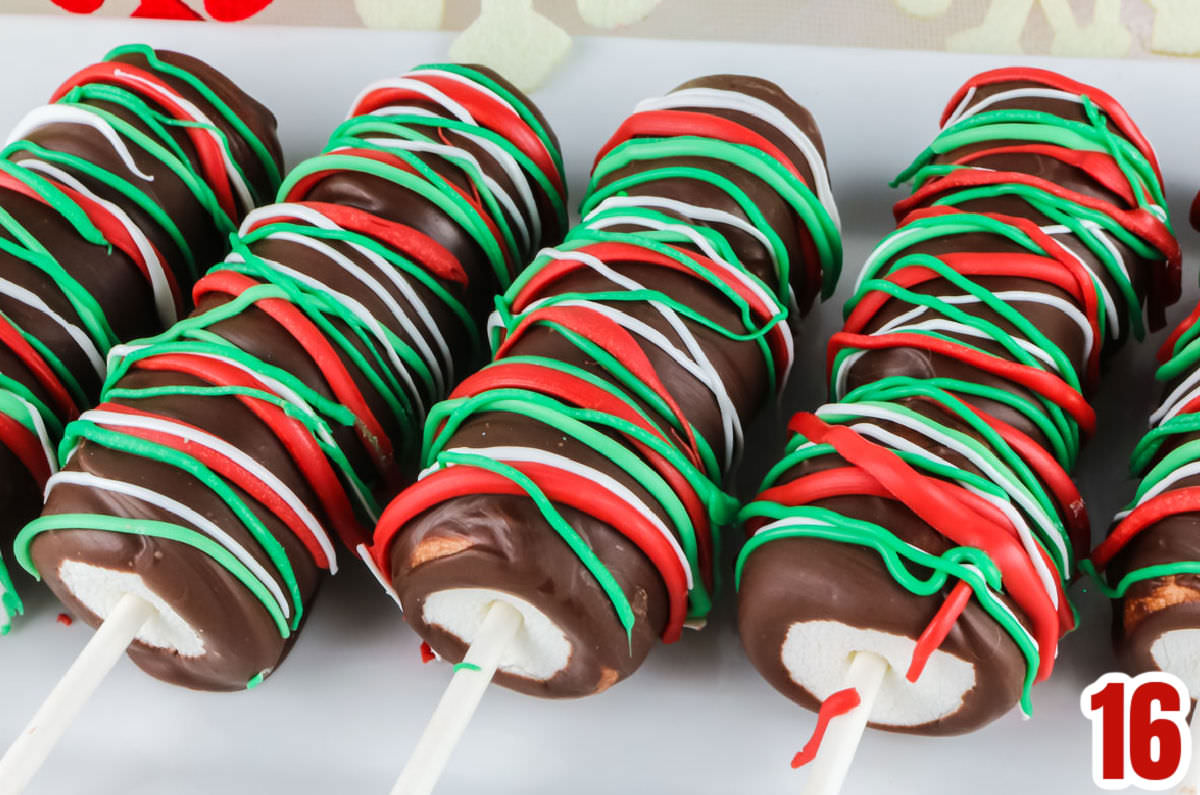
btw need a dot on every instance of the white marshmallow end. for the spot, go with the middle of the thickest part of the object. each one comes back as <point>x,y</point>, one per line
<point>817,654</point>
<point>540,649</point>
<point>99,589</point>
<point>1178,652</point>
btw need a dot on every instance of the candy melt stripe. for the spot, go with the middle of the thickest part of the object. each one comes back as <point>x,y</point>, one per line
<point>132,169</point>
<point>1035,229</point>
<point>1165,459</point>
<point>320,342</point>
<point>643,302</point>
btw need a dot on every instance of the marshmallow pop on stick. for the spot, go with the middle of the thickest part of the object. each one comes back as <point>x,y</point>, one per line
<point>1151,558</point>
<point>926,516</point>
<point>113,199</point>
<point>230,453</point>
<point>578,478</point>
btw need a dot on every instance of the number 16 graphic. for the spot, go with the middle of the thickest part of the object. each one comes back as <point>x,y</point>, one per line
<point>1140,735</point>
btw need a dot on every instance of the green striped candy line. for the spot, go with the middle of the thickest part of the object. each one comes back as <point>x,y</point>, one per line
<point>746,158</point>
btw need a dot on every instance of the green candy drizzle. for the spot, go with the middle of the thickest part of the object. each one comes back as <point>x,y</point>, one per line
<point>389,363</point>
<point>141,127</point>
<point>1012,480</point>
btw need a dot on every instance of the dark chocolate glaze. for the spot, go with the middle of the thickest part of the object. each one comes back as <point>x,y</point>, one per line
<point>241,640</point>
<point>505,543</point>
<point>794,580</point>
<point>110,276</point>
<point>1153,607</point>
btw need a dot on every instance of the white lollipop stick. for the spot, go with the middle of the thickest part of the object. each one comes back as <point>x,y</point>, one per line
<point>841,738</point>
<point>459,702</point>
<point>26,755</point>
<point>1191,780</point>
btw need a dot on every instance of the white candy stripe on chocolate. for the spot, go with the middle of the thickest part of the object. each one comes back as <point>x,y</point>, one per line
<point>962,105</point>
<point>77,335</point>
<point>1176,475</point>
<point>400,282</point>
<point>368,319</point>
<point>700,242</point>
<point>895,245</point>
<point>40,430</point>
<point>730,422</point>
<point>700,367</point>
<point>60,113</point>
<point>513,170</point>
<point>506,161</point>
<point>739,274</point>
<point>164,297</point>
<point>240,188</point>
<point>954,327</point>
<point>1001,477</point>
<point>363,277</point>
<point>1180,396</point>
<point>367,558</point>
<point>764,111</point>
<point>879,254</point>
<point>516,174</point>
<point>201,523</point>
<point>458,156</point>
<point>532,455</point>
<point>709,215</point>
<point>406,82</point>
<point>966,110</point>
<point>478,88</point>
<point>1110,305</point>
<point>284,392</point>
<point>116,419</point>
<point>1009,297</point>
<point>1014,517</point>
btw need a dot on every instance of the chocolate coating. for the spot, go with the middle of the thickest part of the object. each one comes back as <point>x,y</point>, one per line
<point>505,543</point>
<point>800,579</point>
<point>106,273</point>
<point>242,643</point>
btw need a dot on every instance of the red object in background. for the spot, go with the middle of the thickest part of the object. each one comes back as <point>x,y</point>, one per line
<point>427,655</point>
<point>79,6</point>
<point>234,10</point>
<point>65,619</point>
<point>219,10</point>
<point>163,9</point>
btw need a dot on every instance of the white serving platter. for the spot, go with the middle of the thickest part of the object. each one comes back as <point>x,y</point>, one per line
<point>341,715</point>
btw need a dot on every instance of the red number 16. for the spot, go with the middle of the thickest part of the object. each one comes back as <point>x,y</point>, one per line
<point>1140,735</point>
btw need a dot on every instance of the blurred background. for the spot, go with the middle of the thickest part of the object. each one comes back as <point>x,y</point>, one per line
<point>1098,28</point>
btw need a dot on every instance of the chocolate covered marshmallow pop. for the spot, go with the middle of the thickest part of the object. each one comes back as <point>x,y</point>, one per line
<point>113,199</point>
<point>909,555</point>
<point>200,504</point>
<point>1151,558</point>
<point>567,514</point>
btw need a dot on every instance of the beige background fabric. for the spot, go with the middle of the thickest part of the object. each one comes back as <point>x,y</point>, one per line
<point>1113,28</point>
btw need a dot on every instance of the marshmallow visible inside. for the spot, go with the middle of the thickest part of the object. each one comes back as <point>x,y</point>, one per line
<point>99,589</point>
<point>540,649</point>
<point>816,655</point>
<point>1178,652</point>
